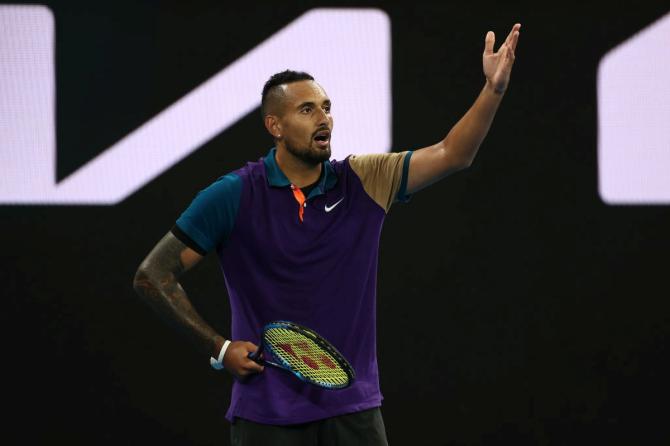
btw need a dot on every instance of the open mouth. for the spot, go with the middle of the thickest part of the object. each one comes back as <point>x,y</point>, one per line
<point>322,138</point>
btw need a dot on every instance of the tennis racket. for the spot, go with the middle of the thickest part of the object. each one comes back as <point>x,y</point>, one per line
<point>301,351</point>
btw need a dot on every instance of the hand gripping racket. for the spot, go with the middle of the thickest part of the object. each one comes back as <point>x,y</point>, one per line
<point>304,353</point>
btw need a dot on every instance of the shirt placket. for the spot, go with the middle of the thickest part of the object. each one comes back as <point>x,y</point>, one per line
<point>300,198</point>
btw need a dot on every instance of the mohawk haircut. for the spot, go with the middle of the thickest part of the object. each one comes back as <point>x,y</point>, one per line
<point>272,94</point>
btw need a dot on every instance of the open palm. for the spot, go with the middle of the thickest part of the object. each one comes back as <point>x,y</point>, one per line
<point>498,65</point>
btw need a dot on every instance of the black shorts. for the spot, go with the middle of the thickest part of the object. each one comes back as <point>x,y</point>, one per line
<point>365,428</point>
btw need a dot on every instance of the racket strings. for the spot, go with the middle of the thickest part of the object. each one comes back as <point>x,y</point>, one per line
<point>307,357</point>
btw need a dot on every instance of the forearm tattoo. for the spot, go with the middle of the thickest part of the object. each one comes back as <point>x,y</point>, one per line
<point>156,282</point>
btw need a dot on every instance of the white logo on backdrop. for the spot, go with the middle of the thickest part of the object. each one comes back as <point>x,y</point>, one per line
<point>634,119</point>
<point>348,51</point>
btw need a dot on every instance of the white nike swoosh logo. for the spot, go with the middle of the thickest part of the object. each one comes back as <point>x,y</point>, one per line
<point>330,208</point>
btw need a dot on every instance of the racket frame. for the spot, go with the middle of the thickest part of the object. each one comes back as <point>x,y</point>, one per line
<point>321,343</point>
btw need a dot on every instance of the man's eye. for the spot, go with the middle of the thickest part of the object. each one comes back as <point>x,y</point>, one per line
<point>306,109</point>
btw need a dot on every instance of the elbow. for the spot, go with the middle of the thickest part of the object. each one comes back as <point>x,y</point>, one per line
<point>461,164</point>
<point>454,160</point>
<point>141,281</point>
<point>465,161</point>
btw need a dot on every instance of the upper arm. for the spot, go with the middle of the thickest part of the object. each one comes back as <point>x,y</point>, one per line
<point>430,164</point>
<point>189,258</point>
<point>209,219</point>
<point>167,260</point>
<point>204,224</point>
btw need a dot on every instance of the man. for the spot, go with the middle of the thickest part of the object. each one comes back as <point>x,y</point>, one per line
<point>297,237</point>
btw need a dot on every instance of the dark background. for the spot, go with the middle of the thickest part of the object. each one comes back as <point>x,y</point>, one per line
<point>515,307</point>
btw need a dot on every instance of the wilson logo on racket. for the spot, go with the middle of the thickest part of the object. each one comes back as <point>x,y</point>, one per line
<point>305,354</point>
<point>308,355</point>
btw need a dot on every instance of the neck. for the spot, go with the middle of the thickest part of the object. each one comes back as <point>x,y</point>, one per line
<point>298,172</point>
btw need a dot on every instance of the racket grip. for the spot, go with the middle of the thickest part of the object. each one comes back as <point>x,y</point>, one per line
<point>255,356</point>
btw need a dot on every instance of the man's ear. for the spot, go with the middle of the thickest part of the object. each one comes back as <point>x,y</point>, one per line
<point>273,126</point>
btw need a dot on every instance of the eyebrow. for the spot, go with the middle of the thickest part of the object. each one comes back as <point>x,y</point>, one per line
<point>327,101</point>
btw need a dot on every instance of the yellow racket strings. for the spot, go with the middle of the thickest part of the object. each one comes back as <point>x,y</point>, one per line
<point>306,356</point>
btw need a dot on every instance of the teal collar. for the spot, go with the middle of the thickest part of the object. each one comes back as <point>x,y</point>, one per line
<point>277,178</point>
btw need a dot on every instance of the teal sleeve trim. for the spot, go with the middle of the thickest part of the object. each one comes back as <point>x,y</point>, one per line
<point>402,192</point>
<point>210,217</point>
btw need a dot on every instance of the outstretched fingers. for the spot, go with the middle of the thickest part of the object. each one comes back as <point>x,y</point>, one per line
<point>510,41</point>
<point>513,36</point>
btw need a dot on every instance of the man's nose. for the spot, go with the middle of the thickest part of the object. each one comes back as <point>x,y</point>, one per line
<point>323,117</point>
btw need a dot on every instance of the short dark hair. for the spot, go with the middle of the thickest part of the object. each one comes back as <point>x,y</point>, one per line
<point>271,92</point>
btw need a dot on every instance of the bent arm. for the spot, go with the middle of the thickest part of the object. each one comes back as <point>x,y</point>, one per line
<point>156,281</point>
<point>459,148</point>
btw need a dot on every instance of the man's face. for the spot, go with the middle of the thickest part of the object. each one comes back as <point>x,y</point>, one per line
<point>306,123</point>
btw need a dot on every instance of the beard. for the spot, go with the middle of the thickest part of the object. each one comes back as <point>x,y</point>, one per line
<point>309,155</point>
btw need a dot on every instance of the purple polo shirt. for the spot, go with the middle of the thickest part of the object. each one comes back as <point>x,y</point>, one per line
<point>321,272</point>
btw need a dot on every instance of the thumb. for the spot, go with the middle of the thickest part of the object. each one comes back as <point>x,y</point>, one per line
<point>488,42</point>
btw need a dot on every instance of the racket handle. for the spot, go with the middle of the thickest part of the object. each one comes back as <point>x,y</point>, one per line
<point>255,356</point>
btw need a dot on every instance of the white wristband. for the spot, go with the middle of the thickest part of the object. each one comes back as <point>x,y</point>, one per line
<point>217,364</point>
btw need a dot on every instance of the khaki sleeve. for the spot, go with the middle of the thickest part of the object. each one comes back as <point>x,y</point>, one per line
<point>383,175</point>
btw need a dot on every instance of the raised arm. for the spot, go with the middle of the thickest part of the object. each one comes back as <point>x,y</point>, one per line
<point>156,281</point>
<point>459,148</point>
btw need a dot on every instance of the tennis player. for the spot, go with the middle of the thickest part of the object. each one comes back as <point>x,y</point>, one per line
<point>297,237</point>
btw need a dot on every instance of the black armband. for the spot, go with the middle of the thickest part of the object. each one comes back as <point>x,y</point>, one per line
<point>188,241</point>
